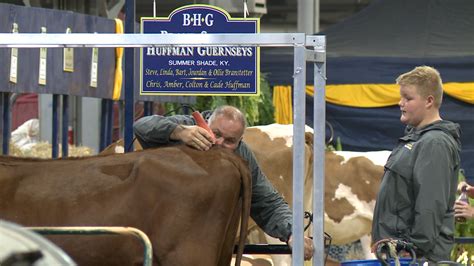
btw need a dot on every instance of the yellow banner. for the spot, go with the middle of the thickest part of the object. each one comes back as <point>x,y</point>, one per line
<point>360,95</point>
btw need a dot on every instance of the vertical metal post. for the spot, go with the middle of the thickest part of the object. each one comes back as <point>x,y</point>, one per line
<point>121,115</point>
<point>2,121</point>
<point>65,127</point>
<point>129,77</point>
<point>299,77</point>
<point>5,122</point>
<point>110,122</point>
<point>147,108</point>
<point>103,124</point>
<point>306,16</point>
<point>55,128</point>
<point>76,114</point>
<point>319,122</point>
<point>316,15</point>
<point>186,110</point>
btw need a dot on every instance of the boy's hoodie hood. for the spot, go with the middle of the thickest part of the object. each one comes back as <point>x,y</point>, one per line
<point>450,128</point>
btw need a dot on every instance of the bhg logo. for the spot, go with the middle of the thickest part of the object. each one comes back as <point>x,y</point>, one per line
<point>197,20</point>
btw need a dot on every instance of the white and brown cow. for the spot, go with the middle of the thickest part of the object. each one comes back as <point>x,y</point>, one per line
<point>186,201</point>
<point>351,181</point>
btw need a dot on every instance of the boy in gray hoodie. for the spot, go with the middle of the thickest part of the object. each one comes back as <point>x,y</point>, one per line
<point>418,190</point>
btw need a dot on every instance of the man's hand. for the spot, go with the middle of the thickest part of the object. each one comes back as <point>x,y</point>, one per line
<point>193,136</point>
<point>308,247</point>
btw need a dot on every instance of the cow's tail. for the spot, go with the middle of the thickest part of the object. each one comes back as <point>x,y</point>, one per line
<point>244,218</point>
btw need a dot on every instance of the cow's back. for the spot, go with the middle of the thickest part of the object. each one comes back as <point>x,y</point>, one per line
<point>186,201</point>
<point>273,149</point>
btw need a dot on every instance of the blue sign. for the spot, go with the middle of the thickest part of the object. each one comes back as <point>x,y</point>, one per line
<point>205,70</point>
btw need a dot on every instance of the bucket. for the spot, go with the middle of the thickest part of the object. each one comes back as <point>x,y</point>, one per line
<point>405,261</point>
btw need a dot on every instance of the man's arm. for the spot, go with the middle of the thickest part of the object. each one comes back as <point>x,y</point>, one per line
<point>153,131</point>
<point>156,130</point>
<point>269,210</point>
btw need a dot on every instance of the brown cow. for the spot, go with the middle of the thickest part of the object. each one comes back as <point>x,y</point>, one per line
<point>186,201</point>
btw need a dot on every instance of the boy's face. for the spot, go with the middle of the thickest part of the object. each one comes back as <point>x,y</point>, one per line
<point>412,106</point>
<point>228,132</point>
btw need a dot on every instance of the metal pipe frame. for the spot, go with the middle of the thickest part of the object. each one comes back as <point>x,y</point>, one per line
<point>129,76</point>
<point>65,126</point>
<point>299,106</point>
<point>6,118</point>
<point>110,122</point>
<point>72,40</point>
<point>147,108</point>
<point>103,125</point>
<point>279,249</point>
<point>55,127</point>
<point>101,230</point>
<point>318,57</point>
<point>296,40</point>
<point>464,240</point>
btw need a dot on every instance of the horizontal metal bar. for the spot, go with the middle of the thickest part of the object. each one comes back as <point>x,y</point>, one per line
<point>101,230</point>
<point>464,240</point>
<point>61,40</point>
<point>265,249</point>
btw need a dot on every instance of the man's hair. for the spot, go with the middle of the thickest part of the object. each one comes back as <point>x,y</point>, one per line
<point>231,113</point>
<point>427,81</point>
